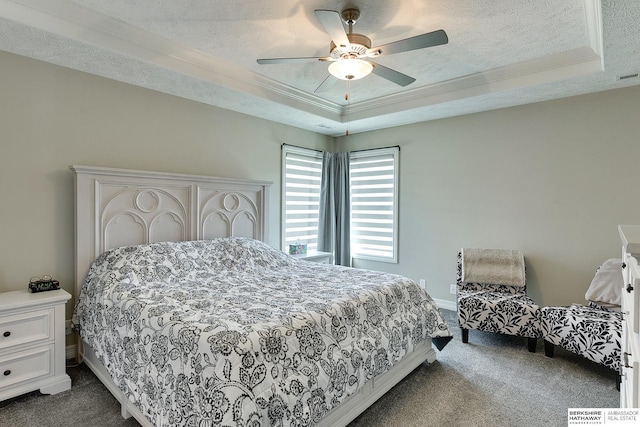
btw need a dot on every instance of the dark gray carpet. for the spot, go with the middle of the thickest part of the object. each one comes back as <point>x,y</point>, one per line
<point>494,381</point>
<point>491,381</point>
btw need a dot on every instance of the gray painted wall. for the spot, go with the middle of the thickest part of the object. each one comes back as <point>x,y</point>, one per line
<point>553,179</point>
<point>52,117</point>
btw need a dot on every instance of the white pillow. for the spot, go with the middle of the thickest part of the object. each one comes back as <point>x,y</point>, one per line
<point>606,286</point>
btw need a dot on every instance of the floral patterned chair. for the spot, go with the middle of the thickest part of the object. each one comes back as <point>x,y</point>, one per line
<point>495,302</point>
<point>593,331</point>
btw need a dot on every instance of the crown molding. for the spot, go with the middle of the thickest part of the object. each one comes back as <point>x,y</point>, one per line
<point>75,22</point>
<point>538,71</point>
<point>565,65</point>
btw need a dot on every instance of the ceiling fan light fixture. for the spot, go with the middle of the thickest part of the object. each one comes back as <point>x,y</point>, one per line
<point>350,69</point>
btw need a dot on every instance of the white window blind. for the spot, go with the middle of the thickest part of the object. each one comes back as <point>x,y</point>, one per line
<point>301,174</point>
<point>374,204</point>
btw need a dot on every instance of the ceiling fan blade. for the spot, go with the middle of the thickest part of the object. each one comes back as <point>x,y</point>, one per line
<point>392,75</point>
<point>326,84</point>
<point>332,23</point>
<point>434,38</point>
<point>289,60</point>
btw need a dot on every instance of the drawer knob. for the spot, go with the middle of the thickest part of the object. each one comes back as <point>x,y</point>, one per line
<point>6,333</point>
<point>624,265</point>
<point>7,372</point>
<point>629,288</point>
<point>625,359</point>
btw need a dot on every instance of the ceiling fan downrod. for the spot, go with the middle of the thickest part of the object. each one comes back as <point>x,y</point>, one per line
<point>350,17</point>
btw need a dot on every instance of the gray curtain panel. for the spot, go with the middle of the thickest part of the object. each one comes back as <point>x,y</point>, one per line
<point>334,226</point>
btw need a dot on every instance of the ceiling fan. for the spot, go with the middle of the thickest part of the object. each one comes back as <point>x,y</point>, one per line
<point>350,53</point>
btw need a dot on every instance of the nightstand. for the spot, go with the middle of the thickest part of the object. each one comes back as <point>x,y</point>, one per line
<point>316,256</point>
<point>32,343</point>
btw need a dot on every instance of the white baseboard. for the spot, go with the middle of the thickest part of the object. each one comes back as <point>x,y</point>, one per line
<point>70,352</point>
<point>445,304</point>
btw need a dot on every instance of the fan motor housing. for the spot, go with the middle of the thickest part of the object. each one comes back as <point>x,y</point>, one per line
<point>358,45</point>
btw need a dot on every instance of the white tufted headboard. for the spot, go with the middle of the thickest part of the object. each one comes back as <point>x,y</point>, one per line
<point>117,207</point>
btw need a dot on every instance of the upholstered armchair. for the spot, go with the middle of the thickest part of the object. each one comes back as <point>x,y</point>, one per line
<point>593,331</point>
<point>491,295</point>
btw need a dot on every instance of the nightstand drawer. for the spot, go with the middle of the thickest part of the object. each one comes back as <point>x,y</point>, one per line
<point>25,366</point>
<point>25,328</point>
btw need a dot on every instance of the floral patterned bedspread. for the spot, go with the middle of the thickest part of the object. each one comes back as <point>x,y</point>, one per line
<point>234,332</point>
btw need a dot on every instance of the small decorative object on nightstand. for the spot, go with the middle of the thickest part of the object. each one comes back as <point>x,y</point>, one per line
<point>32,343</point>
<point>44,283</point>
<point>316,256</point>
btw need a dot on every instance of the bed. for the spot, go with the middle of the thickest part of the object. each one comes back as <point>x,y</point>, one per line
<point>189,318</point>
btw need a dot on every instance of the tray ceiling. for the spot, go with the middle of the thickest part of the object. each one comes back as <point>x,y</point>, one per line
<point>500,53</point>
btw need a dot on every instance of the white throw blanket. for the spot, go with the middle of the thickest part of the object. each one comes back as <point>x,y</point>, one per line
<point>495,266</point>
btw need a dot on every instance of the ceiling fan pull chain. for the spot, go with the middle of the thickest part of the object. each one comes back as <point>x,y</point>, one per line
<point>346,97</point>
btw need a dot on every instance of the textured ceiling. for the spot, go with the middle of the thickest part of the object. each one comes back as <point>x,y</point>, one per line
<point>500,53</point>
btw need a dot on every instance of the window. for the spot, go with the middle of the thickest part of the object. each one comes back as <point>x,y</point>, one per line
<point>374,200</point>
<point>374,207</point>
<point>301,174</point>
